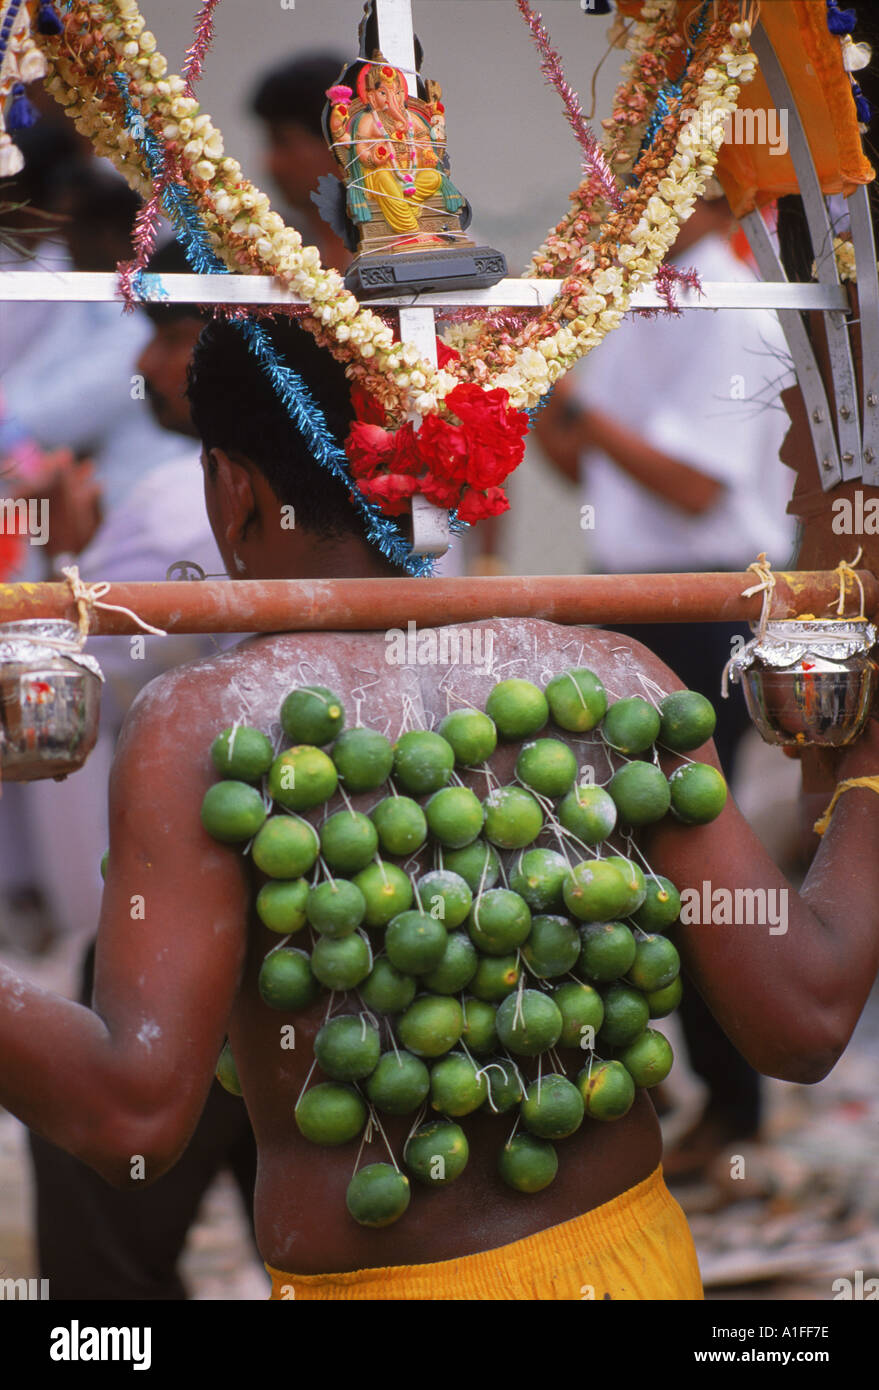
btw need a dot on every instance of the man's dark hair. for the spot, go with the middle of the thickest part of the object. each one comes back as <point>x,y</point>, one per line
<point>296,91</point>
<point>235,408</point>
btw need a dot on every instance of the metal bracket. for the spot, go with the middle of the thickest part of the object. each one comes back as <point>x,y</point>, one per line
<point>809,377</point>
<point>821,232</point>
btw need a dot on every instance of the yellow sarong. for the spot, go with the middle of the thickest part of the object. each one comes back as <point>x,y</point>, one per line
<point>636,1247</point>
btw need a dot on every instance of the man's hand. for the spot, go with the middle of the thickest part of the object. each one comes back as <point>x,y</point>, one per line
<point>75,511</point>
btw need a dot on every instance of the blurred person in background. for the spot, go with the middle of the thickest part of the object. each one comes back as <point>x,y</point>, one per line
<point>95,1241</point>
<point>671,432</point>
<point>289,100</point>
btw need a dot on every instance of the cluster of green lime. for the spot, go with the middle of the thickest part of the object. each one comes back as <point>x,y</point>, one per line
<point>503,952</point>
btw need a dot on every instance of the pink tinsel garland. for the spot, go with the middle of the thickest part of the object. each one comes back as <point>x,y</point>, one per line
<point>146,223</point>
<point>204,36</point>
<point>551,66</point>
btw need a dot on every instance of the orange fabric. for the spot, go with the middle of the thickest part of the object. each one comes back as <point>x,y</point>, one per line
<point>750,173</point>
<point>636,1247</point>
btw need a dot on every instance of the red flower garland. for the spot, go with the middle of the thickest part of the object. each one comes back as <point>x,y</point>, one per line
<point>458,466</point>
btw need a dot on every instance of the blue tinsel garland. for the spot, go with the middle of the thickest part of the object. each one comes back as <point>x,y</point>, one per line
<point>305,413</point>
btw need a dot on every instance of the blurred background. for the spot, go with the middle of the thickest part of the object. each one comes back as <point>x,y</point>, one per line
<point>803,1211</point>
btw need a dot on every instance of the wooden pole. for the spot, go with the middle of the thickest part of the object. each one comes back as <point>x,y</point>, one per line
<point>280,605</point>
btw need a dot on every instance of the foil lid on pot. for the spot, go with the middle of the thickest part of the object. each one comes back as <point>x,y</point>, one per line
<point>50,697</point>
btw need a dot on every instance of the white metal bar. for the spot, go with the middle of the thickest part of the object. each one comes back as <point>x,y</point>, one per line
<point>868,316</point>
<point>95,288</point>
<point>821,231</point>
<point>430,525</point>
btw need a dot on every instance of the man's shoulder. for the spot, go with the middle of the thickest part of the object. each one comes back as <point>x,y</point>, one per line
<point>248,683</point>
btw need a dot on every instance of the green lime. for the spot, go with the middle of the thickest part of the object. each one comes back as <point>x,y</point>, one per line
<point>631,726</point>
<point>607,952</point>
<point>105,861</point>
<point>456,968</point>
<point>480,1033</point>
<point>577,699</point>
<point>512,818</point>
<point>518,708</point>
<point>232,812</point>
<point>472,735</point>
<point>227,1072</point>
<point>437,1153</point>
<point>528,1023</point>
<point>552,1108</point>
<point>348,841</point>
<point>312,714</point>
<point>386,890</point>
<point>656,963</point>
<point>363,759</point>
<point>499,921</point>
<point>341,964</point>
<point>415,942</point>
<point>242,753</point>
<point>634,881</point>
<point>640,793</point>
<point>280,905</point>
<point>286,847</point>
<point>648,1059</point>
<point>336,908</point>
<point>378,1195</point>
<point>662,1002</point>
<point>661,906</point>
<point>504,1086</point>
<point>423,762</point>
<point>528,1164</point>
<point>347,1048</point>
<point>455,816</point>
<point>607,1090</point>
<point>538,877</point>
<point>547,767</point>
<point>553,948</point>
<point>698,793</point>
<point>399,1084</point>
<point>445,895</point>
<point>330,1114</point>
<point>386,989</point>
<point>589,814</point>
<point>478,865</point>
<point>401,825</point>
<point>456,1085</point>
<point>582,1013</point>
<point>286,980</point>
<point>626,1014</point>
<point>687,720</point>
<point>431,1025</point>
<point>302,777</point>
<point>495,977</point>
<point>596,891</point>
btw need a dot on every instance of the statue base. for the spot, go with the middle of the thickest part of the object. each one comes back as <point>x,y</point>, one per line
<point>429,270</point>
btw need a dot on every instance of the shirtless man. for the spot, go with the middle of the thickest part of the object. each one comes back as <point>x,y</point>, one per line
<point>129,1077</point>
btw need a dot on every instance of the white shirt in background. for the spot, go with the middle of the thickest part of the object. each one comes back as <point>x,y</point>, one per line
<point>702,387</point>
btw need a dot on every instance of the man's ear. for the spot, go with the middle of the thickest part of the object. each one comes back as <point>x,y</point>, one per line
<point>236,502</point>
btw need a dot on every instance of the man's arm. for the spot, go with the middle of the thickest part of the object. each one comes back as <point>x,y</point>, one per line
<point>130,1077</point>
<point>565,429</point>
<point>788,977</point>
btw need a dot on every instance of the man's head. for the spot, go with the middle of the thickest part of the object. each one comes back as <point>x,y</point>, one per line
<point>164,362</point>
<point>290,100</point>
<point>274,510</point>
<point>99,211</point>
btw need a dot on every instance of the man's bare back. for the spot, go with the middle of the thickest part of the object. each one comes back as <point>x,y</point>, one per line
<point>170,986</point>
